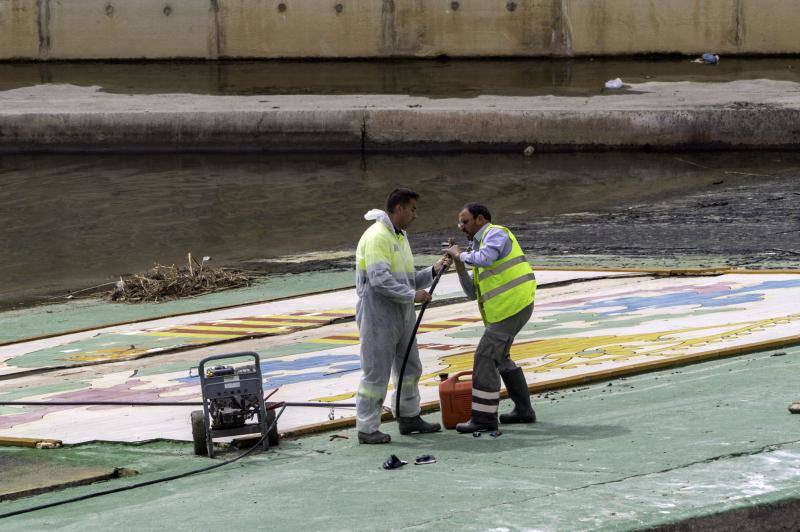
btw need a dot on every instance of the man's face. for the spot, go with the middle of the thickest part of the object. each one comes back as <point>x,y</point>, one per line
<point>468,224</point>
<point>406,213</point>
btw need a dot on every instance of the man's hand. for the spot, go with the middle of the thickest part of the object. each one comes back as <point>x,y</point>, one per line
<point>453,251</point>
<point>422,296</point>
<point>443,262</point>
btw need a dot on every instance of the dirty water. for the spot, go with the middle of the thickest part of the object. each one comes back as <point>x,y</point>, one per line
<point>74,221</point>
<point>432,78</point>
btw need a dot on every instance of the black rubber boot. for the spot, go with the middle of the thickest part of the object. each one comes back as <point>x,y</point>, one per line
<point>374,437</point>
<point>517,388</point>
<point>410,425</point>
<point>478,422</point>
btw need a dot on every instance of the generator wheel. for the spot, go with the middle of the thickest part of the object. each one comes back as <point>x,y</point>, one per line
<point>272,437</point>
<point>199,433</point>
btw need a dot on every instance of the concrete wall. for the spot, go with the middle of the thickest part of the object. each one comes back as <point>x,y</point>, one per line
<point>128,29</point>
<point>19,30</point>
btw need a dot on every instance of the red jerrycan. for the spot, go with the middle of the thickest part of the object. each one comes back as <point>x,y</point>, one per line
<point>455,399</point>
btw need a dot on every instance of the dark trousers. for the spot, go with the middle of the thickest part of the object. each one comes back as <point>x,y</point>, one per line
<point>492,357</point>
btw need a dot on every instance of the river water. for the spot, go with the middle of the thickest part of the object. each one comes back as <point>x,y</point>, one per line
<point>73,221</point>
<point>463,78</point>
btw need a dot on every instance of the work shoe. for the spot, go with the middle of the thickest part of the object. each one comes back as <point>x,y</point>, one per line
<point>517,388</point>
<point>478,422</point>
<point>410,425</point>
<point>374,437</point>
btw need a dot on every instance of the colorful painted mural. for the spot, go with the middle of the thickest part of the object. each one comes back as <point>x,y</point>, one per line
<point>577,330</point>
<point>145,339</point>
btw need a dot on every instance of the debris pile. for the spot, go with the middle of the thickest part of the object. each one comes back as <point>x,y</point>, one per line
<point>164,283</point>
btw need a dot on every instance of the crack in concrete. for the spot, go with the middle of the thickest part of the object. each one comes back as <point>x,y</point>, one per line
<point>765,448</point>
<point>215,39</point>
<point>364,131</point>
<point>738,24</point>
<point>43,23</point>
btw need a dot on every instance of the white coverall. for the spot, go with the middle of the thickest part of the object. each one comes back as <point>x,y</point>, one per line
<point>386,283</point>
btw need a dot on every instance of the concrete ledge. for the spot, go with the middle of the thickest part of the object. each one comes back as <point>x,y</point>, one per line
<point>756,114</point>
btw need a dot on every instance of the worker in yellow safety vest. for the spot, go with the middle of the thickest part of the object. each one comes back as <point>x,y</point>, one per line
<point>504,284</point>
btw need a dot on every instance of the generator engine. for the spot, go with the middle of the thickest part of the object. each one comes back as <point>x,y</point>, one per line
<point>231,411</point>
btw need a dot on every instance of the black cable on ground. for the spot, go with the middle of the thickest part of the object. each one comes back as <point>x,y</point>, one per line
<point>157,403</point>
<point>411,342</point>
<point>149,482</point>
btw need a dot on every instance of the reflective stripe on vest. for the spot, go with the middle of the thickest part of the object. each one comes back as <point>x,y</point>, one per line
<point>506,286</point>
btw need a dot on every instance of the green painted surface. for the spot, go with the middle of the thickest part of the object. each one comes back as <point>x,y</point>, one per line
<point>52,319</point>
<point>633,452</point>
<point>76,353</point>
<point>21,475</point>
<point>295,349</point>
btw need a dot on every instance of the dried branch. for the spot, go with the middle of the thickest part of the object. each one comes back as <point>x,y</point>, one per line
<point>164,283</point>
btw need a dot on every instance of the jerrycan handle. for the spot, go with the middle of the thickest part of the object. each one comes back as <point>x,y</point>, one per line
<point>457,376</point>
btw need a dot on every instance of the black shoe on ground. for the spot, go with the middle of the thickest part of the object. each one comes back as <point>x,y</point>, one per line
<point>482,423</point>
<point>410,425</point>
<point>374,437</point>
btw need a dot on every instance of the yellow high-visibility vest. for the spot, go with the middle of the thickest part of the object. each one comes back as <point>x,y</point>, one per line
<point>506,286</point>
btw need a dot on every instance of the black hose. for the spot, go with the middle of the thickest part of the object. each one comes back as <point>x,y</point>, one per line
<point>149,482</point>
<point>155,403</point>
<point>411,341</point>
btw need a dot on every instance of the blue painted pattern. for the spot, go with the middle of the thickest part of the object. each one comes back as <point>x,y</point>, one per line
<point>273,371</point>
<point>703,298</point>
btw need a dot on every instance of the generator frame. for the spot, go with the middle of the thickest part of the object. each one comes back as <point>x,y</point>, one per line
<point>232,386</point>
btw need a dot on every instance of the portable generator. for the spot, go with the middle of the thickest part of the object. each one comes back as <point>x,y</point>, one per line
<point>232,396</point>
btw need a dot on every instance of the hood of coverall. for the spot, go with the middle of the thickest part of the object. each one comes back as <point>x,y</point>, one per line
<point>383,217</point>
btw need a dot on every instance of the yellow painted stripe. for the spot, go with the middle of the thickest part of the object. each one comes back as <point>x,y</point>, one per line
<point>334,398</point>
<point>195,335</point>
<point>39,443</point>
<point>329,341</point>
<point>223,329</point>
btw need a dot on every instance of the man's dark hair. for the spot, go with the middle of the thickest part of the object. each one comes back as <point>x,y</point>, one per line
<point>479,208</point>
<point>399,196</point>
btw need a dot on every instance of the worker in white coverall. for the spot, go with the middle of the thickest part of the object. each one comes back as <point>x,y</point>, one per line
<point>387,287</point>
<point>504,284</point>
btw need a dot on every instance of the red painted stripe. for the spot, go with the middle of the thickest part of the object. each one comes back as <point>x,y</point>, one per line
<point>283,320</point>
<point>235,326</point>
<point>201,331</point>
